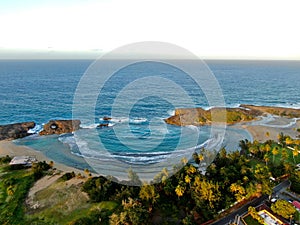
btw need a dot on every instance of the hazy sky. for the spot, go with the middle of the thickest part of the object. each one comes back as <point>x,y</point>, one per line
<point>260,29</point>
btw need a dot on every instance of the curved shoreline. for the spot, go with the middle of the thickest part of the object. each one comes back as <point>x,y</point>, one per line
<point>261,130</point>
<point>11,149</point>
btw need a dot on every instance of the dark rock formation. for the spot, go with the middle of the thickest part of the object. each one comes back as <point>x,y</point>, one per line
<point>106,118</point>
<point>102,125</point>
<point>60,127</point>
<point>16,130</point>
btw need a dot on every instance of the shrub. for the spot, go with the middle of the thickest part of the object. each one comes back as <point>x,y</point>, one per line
<point>67,176</point>
<point>5,159</point>
<point>39,168</point>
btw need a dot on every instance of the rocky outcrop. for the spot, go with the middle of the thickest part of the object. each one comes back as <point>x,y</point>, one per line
<point>200,117</point>
<point>60,127</point>
<point>16,130</point>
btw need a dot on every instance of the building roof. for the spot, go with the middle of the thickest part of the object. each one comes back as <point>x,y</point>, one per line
<point>23,160</point>
<point>296,204</point>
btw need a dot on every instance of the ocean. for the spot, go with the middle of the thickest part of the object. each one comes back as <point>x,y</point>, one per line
<point>137,98</point>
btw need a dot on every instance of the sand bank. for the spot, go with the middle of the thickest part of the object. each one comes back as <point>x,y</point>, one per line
<point>270,130</point>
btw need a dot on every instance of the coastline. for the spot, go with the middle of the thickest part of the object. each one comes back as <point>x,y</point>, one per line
<point>270,130</point>
<point>11,149</point>
<point>260,130</point>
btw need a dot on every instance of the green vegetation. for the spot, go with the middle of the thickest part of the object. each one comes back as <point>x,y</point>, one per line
<point>187,197</point>
<point>250,221</point>
<point>67,176</point>
<point>5,160</point>
<point>253,213</point>
<point>232,115</point>
<point>295,179</point>
<point>297,216</point>
<point>283,208</point>
<point>14,186</point>
<point>39,169</point>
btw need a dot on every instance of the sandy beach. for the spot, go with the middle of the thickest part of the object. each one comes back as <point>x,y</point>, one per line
<point>11,149</point>
<point>270,130</point>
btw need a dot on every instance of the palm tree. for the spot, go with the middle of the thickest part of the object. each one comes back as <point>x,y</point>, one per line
<point>148,193</point>
<point>200,157</point>
<point>87,172</point>
<point>295,153</point>
<point>51,164</point>
<point>284,154</point>
<point>281,139</point>
<point>267,134</point>
<point>266,159</point>
<point>288,140</point>
<point>262,149</point>
<point>267,148</point>
<point>187,179</point>
<point>244,147</point>
<point>275,152</point>
<point>179,190</point>
<point>184,160</point>
<point>191,169</point>
<point>253,150</point>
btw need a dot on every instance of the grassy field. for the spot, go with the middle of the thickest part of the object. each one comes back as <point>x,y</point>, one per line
<point>63,202</point>
<point>14,186</point>
<point>60,203</point>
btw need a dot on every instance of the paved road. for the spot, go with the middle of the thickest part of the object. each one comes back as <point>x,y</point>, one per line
<point>253,203</point>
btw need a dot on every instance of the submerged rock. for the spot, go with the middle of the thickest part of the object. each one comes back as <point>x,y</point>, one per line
<point>102,125</point>
<point>106,118</point>
<point>16,130</point>
<point>60,127</point>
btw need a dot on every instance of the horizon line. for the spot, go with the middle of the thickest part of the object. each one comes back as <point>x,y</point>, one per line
<point>205,59</point>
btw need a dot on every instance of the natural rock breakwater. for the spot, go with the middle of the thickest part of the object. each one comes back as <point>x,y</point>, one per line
<point>16,130</point>
<point>60,127</point>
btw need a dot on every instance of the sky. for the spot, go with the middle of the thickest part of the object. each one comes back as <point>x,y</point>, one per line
<point>213,29</point>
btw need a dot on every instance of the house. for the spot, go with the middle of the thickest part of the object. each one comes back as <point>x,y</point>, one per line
<point>296,204</point>
<point>23,161</point>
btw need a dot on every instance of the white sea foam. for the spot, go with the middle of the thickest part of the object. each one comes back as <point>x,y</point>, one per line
<point>126,120</point>
<point>90,126</point>
<point>36,129</point>
<point>138,120</point>
<point>171,112</point>
<point>289,105</point>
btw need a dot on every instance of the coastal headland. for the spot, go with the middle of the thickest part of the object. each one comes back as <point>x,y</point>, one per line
<point>230,116</point>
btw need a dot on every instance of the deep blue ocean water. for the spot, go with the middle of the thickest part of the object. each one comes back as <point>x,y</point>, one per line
<point>40,90</point>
